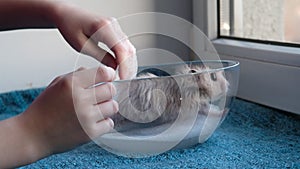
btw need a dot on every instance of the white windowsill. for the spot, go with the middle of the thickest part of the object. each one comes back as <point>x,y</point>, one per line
<point>282,55</point>
<point>269,73</point>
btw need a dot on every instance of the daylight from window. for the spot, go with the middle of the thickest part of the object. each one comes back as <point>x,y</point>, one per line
<point>271,20</point>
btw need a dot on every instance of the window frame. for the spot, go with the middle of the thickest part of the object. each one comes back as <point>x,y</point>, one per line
<point>268,72</point>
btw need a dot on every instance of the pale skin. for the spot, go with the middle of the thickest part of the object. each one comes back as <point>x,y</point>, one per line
<point>68,113</point>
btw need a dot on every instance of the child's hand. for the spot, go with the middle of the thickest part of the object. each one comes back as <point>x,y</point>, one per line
<point>67,114</point>
<point>83,30</point>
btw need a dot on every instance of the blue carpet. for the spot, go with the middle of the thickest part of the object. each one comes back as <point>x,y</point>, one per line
<point>252,136</point>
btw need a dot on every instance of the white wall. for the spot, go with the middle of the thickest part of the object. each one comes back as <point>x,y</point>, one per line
<point>32,58</point>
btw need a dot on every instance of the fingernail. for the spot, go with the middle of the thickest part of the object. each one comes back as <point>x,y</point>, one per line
<point>110,71</point>
<point>110,122</point>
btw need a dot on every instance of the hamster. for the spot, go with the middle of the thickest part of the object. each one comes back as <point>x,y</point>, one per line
<point>153,98</point>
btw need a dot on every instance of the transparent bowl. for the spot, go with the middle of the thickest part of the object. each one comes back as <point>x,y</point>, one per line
<point>171,106</point>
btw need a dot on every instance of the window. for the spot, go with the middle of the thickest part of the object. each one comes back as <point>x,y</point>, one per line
<point>263,20</point>
<point>270,62</point>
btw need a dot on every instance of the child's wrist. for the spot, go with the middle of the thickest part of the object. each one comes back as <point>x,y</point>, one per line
<point>33,139</point>
<point>55,11</point>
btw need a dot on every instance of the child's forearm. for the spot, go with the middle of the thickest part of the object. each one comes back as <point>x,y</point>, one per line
<point>19,145</point>
<point>16,14</point>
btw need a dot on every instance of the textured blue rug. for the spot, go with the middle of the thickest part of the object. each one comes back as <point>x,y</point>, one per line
<point>252,136</point>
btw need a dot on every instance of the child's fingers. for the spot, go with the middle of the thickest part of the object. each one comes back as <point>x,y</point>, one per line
<point>113,36</point>
<point>102,92</point>
<point>105,110</point>
<point>100,128</point>
<point>91,48</point>
<point>89,77</point>
<point>126,59</point>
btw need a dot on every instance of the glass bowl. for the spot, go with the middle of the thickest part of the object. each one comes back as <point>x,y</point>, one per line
<point>171,106</point>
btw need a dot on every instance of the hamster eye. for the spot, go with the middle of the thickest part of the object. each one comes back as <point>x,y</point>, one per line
<point>192,71</point>
<point>213,76</point>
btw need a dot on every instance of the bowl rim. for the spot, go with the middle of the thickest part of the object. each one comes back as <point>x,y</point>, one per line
<point>231,64</point>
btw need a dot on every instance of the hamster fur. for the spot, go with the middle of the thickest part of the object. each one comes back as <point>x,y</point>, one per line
<point>155,99</point>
